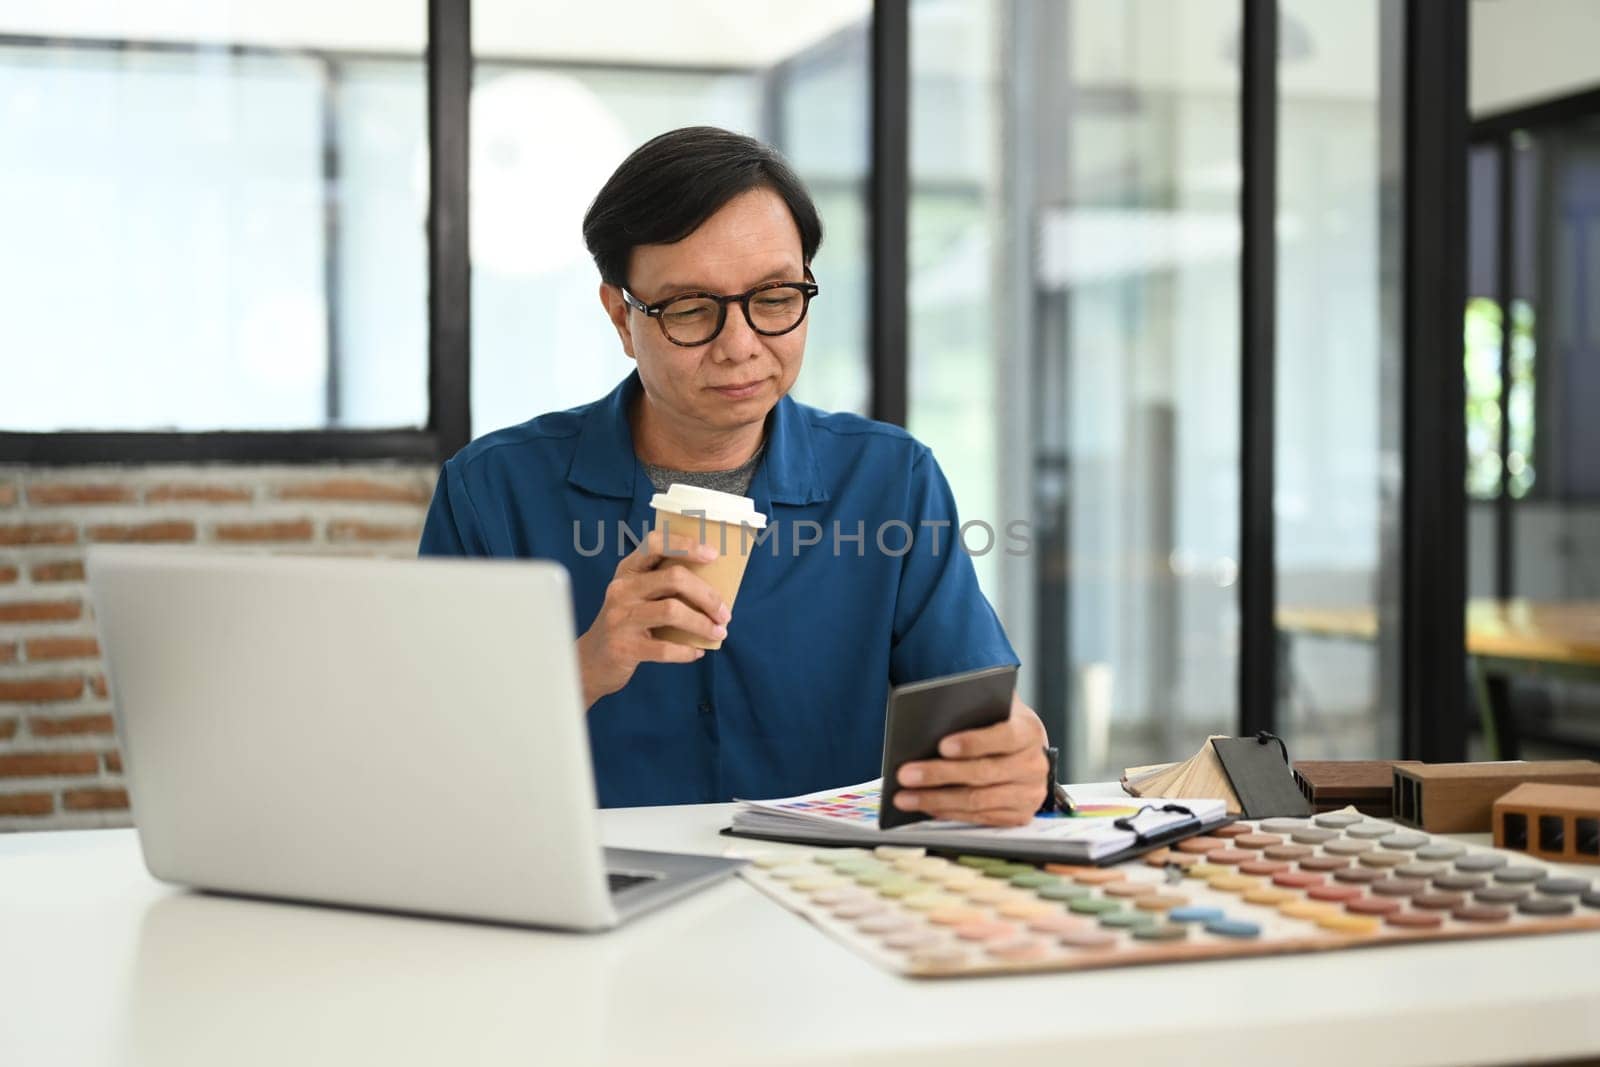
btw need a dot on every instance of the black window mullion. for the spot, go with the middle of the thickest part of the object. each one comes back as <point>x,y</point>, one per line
<point>449,263</point>
<point>889,210</point>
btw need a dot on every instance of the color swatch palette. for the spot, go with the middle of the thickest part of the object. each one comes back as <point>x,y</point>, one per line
<point>861,806</point>
<point>1338,880</point>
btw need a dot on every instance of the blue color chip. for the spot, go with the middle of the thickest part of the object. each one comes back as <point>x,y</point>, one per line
<point>1233,928</point>
<point>1194,915</point>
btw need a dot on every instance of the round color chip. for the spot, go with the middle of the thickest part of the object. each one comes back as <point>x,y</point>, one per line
<point>1064,891</point>
<point>1440,850</point>
<point>1027,909</point>
<point>1565,887</point>
<point>1056,923</point>
<point>1307,909</point>
<point>1130,889</point>
<point>1093,906</point>
<point>1398,887</point>
<point>1370,831</point>
<point>1068,869</point>
<point>1205,871</point>
<point>1337,820</point>
<point>1010,870</point>
<point>1358,876</point>
<point>1438,901</point>
<point>1161,902</point>
<point>928,901</point>
<point>1161,932</point>
<point>1090,939</point>
<point>1313,835</point>
<point>1347,847</point>
<point>1501,894</point>
<point>1231,857</point>
<point>1257,841</point>
<point>1481,913</point>
<point>1123,920</point>
<point>957,877</point>
<point>1296,879</point>
<point>1382,860</point>
<point>1282,825</point>
<point>1480,861</point>
<point>1287,852</point>
<point>812,884</point>
<point>1025,950</point>
<point>1591,899</point>
<point>991,893</point>
<point>956,916</point>
<point>1373,905</point>
<point>1419,870</point>
<point>1203,843</point>
<point>1270,896</point>
<point>855,909</point>
<point>1159,857</point>
<point>1404,840</point>
<point>1337,893</point>
<point>1263,867</point>
<point>906,940</point>
<point>939,958</point>
<point>1416,920</point>
<point>1537,905</point>
<point>986,930</point>
<point>1520,875</point>
<point>768,860</point>
<point>829,897</point>
<point>1324,863</point>
<point>886,922</point>
<point>889,852</point>
<point>979,862</point>
<point>1233,829</point>
<point>1455,883</point>
<point>1194,915</point>
<point>895,889</point>
<point>1234,883</point>
<point>1033,879</point>
<point>872,878</point>
<point>1350,924</point>
<point>1233,928</point>
<point>1098,877</point>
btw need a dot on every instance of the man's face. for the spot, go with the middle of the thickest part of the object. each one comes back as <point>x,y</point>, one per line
<point>736,378</point>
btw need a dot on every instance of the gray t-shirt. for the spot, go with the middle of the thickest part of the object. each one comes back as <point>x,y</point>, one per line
<point>735,481</point>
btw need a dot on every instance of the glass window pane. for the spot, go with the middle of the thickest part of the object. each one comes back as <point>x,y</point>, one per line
<point>553,113</point>
<point>213,223</point>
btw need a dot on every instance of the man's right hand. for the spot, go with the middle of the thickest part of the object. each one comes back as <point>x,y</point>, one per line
<point>643,595</point>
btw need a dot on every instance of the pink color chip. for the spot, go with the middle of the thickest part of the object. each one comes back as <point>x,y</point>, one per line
<point>1296,879</point>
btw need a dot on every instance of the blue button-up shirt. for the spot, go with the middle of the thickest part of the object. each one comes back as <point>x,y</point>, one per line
<point>860,583</point>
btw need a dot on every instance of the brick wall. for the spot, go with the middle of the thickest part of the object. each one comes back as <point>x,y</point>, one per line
<point>59,765</point>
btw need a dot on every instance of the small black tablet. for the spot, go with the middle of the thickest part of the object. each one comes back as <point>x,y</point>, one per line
<point>921,714</point>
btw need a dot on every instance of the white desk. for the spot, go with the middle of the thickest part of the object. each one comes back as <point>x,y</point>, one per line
<point>101,965</point>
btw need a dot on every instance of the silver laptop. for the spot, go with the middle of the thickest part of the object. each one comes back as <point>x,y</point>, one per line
<point>395,734</point>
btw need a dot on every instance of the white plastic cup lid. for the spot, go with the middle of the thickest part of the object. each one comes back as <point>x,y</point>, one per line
<point>710,505</point>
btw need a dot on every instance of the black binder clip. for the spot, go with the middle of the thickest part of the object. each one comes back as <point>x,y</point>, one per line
<point>1167,831</point>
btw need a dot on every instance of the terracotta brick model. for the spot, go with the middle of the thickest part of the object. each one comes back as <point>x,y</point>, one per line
<point>1554,822</point>
<point>60,766</point>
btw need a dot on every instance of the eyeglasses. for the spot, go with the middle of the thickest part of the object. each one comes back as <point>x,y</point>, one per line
<point>689,319</point>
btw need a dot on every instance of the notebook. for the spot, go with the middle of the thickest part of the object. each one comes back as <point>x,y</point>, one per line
<point>1091,834</point>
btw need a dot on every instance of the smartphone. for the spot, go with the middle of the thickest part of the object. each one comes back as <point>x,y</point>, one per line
<point>921,714</point>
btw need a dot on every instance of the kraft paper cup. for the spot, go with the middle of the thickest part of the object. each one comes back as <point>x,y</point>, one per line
<point>724,521</point>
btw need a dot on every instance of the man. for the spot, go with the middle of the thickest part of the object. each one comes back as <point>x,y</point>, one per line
<point>704,241</point>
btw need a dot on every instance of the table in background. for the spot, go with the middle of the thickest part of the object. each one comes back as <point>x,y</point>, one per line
<point>1504,638</point>
<point>101,965</point>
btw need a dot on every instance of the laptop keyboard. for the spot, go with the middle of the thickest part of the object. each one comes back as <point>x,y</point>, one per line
<point>617,881</point>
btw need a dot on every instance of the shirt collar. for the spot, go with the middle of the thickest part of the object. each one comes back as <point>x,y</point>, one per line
<point>604,461</point>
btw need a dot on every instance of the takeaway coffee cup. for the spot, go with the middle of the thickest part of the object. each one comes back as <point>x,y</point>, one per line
<point>727,523</point>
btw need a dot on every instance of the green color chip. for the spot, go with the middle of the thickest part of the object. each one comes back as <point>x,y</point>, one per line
<point>1127,919</point>
<point>1033,879</point>
<point>981,863</point>
<point>1161,932</point>
<point>1062,891</point>
<point>1093,906</point>
<point>1009,870</point>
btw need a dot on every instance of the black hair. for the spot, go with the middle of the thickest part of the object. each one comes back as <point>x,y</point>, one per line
<point>673,183</point>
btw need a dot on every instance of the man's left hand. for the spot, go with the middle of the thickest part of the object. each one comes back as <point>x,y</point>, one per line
<point>994,776</point>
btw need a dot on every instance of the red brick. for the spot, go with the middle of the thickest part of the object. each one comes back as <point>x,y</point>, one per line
<point>71,725</point>
<point>8,729</point>
<point>350,530</point>
<point>48,764</point>
<point>197,494</point>
<point>41,611</point>
<point>40,690</point>
<point>296,530</point>
<point>63,570</point>
<point>112,799</point>
<point>26,804</point>
<point>97,684</point>
<point>8,495</point>
<point>43,648</point>
<point>38,533</point>
<point>356,490</point>
<point>143,532</point>
<point>8,574</point>
<point>114,762</point>
<point>52,494</point>
<point>8,652</point>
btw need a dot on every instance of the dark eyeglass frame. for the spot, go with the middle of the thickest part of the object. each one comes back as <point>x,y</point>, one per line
<point>808,291</point>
